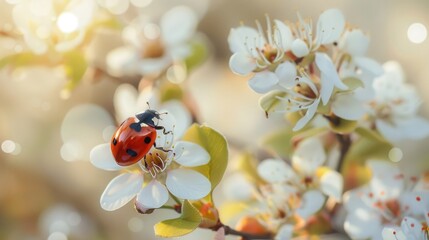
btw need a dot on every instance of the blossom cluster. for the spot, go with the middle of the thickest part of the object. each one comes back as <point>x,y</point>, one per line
<point>325,71</point>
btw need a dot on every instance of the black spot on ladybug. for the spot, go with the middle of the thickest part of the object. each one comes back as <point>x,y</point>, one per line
<point>147,140</point>
<point>136,127</point>
<point>114,141</point>
<point>131,152</point>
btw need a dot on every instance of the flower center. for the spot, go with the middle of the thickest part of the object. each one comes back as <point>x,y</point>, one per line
<point>154,162</point>
<point>153,49</point>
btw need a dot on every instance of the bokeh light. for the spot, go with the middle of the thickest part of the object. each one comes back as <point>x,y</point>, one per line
<point>67,22</point>
<point>417,33</point>
<point>395,154</point>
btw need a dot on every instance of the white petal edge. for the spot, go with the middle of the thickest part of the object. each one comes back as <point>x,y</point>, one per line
<point>331,184</point>
<point>242,63</point>
<point>286,73</point>
<point>311,111</point>
<point>263,82</point>
<point>121,190</point>
<point>390,233</point>
<point>182,116</point>
<point>329,77</point>
<point>285,232</point>
<point>348,107</point>
<point>190,154</point>
<point>309,155</point>
<point>299,48</point>
<point>178,25</point>
<point>101,157</point>
<point>275,171</point>
<point>330,26</point>
<point>153,195</point>
<point>312,201</point>
<point>283,35</point>
<point>187,184</point>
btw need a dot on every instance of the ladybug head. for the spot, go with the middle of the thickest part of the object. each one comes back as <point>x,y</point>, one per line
<point>147,117</point>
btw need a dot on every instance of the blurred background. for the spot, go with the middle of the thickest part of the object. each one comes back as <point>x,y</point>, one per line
<point>48,188</point>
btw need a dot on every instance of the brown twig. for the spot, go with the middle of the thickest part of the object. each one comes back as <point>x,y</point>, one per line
<point>345,143</point>
<point>244,235</point>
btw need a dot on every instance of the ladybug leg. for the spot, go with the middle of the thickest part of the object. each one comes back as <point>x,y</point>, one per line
<point>163,130</point>
<point>161,148</point>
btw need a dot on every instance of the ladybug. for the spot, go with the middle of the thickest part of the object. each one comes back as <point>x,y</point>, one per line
<point>135,137</point>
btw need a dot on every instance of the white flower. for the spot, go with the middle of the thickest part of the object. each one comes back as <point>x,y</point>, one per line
<point>330,26</point>
<point>306,162</point>
<point>302,92</point>
<point>151,48</point>
<point>127,101</point>
<point>395,106</point>
<point>381,203</point>
<point>252,49</point>
<point>46,26</point>
<point>158,174</point>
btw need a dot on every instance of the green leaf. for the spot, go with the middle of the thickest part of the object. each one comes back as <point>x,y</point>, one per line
<point>279,142</point>
<point>215,144</point>
<point>22,59</point>
<point>185,224</point>
<point>75,67</point>
<point>270,102</point>
<point>343,126</point>
<point>170,91</point>
<point>353,83</point>
<point>198,54</point>
<point>370,134</point>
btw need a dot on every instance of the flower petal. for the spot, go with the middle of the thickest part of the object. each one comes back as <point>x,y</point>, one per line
<point>395,233</point>
<point>242,63</point>
<point>188,184</point>
<point>308,116</point>
<point>362,224</point>
<point>412,228</point>
<point>369,65</point>
<point>237,187</point>
<point>285,232</point>
<point>286,73</point>
<point>121,190</point>
<point>242,38</point>
<point>274,170</point>
<point>329,77</point>
<point>385,182</point>
<point>189,154</point>
<point>299,48</point>
<point>330,26</point>
<point>311,202</point>
<point>101,156</point>
<point>355,43</point>
<point>308,156</point>
<point>182,116</point>
<point>347,106</point>
<point>122,61</point>
<point>124,101</point>
<point>178,25</point>
<point>331,184</point>
<point>263,82</point>
<point>153,195</point>
<point>283,35</point>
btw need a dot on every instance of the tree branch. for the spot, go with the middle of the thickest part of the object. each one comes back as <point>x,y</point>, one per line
<point>345,143</point>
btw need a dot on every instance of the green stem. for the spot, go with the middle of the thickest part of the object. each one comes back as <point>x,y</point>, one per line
<point>176,199</point>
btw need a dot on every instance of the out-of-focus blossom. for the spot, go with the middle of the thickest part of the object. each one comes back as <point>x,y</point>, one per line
<point>151,48</point>
<point>307,172</point>
<point>160,173</point>
<point>396,105</point>
<point>382,203</point>
<point>47,25</point>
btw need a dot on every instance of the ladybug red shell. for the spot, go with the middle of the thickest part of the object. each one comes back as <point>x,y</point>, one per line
<point>131,141</point>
